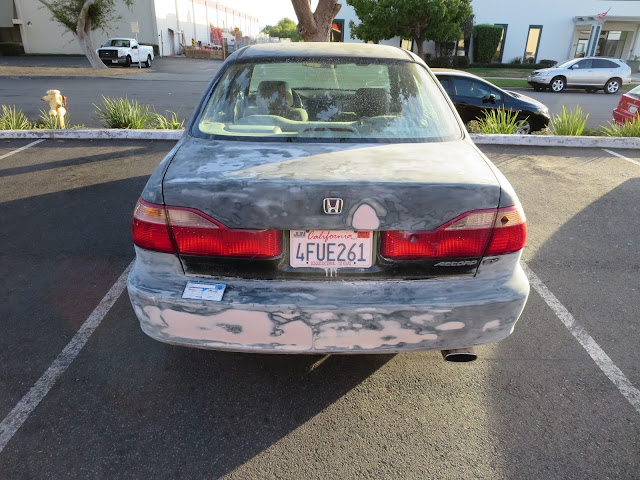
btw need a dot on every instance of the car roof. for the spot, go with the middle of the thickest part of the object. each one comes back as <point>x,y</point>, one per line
<point>450,71</point>
<point>324,49</point>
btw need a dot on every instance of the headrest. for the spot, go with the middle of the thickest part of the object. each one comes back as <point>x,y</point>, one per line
<point>371,102</point>
<point>274,94</point>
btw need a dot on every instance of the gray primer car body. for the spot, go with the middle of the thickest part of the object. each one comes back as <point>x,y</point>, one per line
<point>281,186</point>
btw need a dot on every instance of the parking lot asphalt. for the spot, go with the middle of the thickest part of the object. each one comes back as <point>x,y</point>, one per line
<point>177,83</point>
<point>535,405</point>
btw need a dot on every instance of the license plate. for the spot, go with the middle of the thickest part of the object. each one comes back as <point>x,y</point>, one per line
<point>114,61</point>
<point>330,248</point>
<point>633,109</point>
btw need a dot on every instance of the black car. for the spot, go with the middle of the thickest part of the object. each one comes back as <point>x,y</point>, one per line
<point>472,96</point>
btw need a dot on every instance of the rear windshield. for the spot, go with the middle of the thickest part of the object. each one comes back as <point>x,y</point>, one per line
<point>328,99</point>
<point>635,92</point>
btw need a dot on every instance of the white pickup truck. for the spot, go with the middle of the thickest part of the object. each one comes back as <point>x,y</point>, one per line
<point>125,51</point>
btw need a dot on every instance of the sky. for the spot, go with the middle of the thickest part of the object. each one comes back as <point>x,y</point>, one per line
<point>268,12</point>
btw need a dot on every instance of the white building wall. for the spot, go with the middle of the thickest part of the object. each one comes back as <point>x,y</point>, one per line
<point>558,40</point>
<point>559,35</point>
<point>45,35</point>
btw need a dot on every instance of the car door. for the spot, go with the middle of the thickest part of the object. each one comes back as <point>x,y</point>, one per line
<point>135,52</point>
<point>473,96</point>
<point>603,70</point>
<point>581,73</point>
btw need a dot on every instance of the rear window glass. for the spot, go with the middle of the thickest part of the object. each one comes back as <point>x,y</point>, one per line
<point>635,92</point>
<point>328,99</point>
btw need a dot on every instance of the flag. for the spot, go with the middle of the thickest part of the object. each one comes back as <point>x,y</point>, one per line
<point>603,14</point>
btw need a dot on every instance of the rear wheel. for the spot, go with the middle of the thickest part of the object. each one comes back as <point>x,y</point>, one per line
<point>557,84</point>
<point>591,90</point>
<point>148,62</point>
<point>612,86</point>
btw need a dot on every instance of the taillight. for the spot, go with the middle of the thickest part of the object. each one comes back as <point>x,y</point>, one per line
<point>472,234</point>
<point>194,233</point>
<point>509,232</point>
<point>197,234</point>
<point>149,227</point>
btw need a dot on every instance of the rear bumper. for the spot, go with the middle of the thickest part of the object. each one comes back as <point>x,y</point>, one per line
<point>328,316</point>
<point>622,116</point>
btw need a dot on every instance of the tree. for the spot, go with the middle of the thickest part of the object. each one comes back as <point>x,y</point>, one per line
<point>420,20</point>
<point>316,26</point>
<point>81,17</point>
<point>285,28</point>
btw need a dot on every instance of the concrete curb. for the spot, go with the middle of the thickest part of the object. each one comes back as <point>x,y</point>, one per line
<point>480,139</point>
<point>105,134</point>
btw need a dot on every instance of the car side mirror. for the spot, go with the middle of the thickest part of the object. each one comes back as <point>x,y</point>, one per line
<point>134,47</point>
<point>490,98</point>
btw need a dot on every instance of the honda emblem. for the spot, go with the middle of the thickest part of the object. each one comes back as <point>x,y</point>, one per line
<point>332,206</point>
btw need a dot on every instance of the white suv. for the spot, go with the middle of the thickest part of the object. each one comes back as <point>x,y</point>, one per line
<point>590,73</point>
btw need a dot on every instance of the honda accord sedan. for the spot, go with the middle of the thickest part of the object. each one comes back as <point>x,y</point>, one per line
<point>474,96</point>
<point>326,198</point>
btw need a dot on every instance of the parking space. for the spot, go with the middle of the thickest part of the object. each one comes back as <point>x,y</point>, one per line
<point>533,406</point>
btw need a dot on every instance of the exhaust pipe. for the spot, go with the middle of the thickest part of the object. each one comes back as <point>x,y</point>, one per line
<point>459,355</point>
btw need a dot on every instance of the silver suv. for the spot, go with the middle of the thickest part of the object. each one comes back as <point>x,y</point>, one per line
<point>590,73</point>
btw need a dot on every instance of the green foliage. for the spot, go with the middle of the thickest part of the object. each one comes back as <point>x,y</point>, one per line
<point>569,122</point>
<point>13,119</point>
<point>168,122</point>
<point>486,40</point>
<point>547,63</point>
<point>285,28</point>
<point>100,15</point>
<point>123,113</point>
<point>46,121</point>
<point>11,49</point>
<point>421,20</point>
<point>454,61</point>
<point>500,121</point>
<point>629,129</point>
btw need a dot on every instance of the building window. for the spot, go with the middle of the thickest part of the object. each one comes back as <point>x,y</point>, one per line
<point>533,42</point>
<point>500,50</point>
<point>583,42</point>
<point>611,43</point>
<point>337,31</point>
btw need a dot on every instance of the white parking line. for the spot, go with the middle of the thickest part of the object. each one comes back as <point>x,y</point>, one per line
<point>628,390</point>
<point>21,149</point>
<point>621,156</point>
<point>14,420</point>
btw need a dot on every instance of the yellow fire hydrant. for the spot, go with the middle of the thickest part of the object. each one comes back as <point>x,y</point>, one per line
<point>57,104</point>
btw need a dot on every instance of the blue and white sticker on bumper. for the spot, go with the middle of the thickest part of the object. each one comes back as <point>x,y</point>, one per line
<point>204,291</point>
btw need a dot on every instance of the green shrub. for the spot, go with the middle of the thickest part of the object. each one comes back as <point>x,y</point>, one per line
<point>168,122</point>
<point>629,129</point>
<point>547,63</point>
<point>516,61</point>
<point>11,49</point>
<point>569,123</point>
<point>441,62</point>
<point>124,113</point>
<point>500,121</point>
<point>486,39</point>
<point>474,127</point>
<point>13,119</point>
<point>461,62</point>
<point>592,132</point>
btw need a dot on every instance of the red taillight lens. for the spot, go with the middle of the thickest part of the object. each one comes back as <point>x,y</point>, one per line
<point>472,234</point>
<point>197,234</point>
<point>509,232</point>
<point>156,227</point>
<point>149,227</point>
